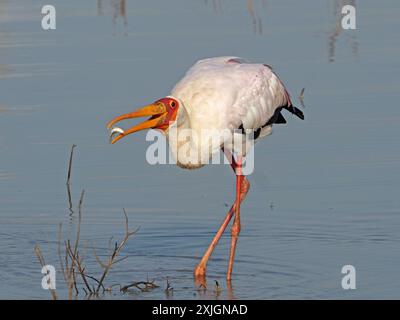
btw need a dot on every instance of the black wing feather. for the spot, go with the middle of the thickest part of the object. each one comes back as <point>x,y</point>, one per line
<point>295,111</point>
<point>276,118</point>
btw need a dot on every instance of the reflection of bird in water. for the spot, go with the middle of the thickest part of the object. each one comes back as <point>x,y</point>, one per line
<point>118,8</point>
<point>255,19</point>
<point>100,7</point>
<point>257,23</point>
<point>217,5</point>
<point>218,103</point>
<point>337,30</point>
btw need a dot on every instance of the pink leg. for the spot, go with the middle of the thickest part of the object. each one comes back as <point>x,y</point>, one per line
<point>200,270</point>
<point>244,186</point>
<point>236,222</point>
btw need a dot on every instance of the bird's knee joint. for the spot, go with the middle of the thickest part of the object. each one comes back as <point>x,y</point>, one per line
<point>245,186</point>
<point>235,230</point>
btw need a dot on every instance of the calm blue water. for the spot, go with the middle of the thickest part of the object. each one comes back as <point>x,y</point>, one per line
<point>325,191</point>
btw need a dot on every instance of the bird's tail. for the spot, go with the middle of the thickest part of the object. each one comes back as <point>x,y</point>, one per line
<point>296,111</point>
<point>289,105</point>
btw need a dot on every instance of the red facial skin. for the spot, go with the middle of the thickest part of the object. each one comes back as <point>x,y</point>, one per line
<point>172,106</point>
<point>162,113</point>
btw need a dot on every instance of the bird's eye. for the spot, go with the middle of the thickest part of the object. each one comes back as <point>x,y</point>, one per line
<point>172,104</point>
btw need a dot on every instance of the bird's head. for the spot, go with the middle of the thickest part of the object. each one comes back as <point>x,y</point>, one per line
<point>162,112</point>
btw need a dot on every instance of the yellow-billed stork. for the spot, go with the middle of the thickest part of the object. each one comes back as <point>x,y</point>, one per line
<point>222,94</point>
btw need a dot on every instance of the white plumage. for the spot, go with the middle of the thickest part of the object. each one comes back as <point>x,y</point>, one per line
<point>229,91</point>
<point>226,93</point>
<point>215,105</point>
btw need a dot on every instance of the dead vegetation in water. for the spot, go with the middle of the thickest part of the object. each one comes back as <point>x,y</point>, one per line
<point>142,286</point>
<point>69,179</point>
<point>78,279</point>
<point>82,283</point>
<point>42,262</point>
<point>72,262</point>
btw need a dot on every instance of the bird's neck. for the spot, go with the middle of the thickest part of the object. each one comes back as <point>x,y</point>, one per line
<point>182,145</point>
<point>185,143</point>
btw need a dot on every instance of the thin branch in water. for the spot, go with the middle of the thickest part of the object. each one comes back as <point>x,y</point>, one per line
<point>101,264</point>
<point>40,257</point>
<point>168,290</point>
<point>168,286</point>
<point>117,249</point>
<point>81,270</point>
<point>74,282</point>
<point>97,281</point>
<point>70,164</point>
<point>69,199</point>
<point>69,179</point>
<point>78,231</point>
<point>69,269</point>
<point>72,254</point>
<point>218,289</point>
<point>141,285</point>
<point>119,260</point>
<point>59,251</point>
<point>72,263</point>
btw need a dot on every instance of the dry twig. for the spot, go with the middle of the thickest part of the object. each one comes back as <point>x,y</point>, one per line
<point>70,164</point>
<point>143,286</point>
<point>72,265</point>
<point>40,257</point>
<point>69,179</point>
<point>112,258</point>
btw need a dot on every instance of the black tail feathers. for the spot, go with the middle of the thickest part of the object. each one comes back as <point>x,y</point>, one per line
<point>295,111</point>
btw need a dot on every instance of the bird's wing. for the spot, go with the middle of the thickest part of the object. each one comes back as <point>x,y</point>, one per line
<point>229,92</point>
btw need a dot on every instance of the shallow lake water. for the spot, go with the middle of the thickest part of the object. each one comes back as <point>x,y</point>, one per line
<point>324,193</point>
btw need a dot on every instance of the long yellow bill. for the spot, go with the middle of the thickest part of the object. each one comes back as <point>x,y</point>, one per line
<point>157,112</point>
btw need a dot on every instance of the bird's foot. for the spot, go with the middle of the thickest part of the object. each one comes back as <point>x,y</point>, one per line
<point>200,271</point>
